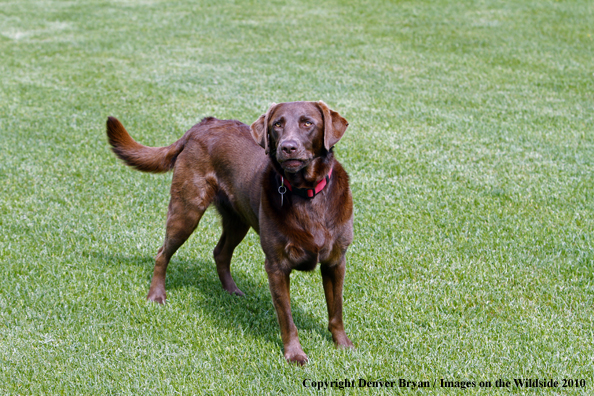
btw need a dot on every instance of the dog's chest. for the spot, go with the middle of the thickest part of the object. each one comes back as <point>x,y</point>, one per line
<point>308,243</point>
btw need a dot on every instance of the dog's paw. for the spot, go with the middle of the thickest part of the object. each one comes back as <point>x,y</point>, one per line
<point>235,292</point>
<point>297,357</point>
<point>156,296</point>
<point>347,344</point>
<point>342,341</point>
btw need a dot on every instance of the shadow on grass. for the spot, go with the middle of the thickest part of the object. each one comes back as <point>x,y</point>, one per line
<point>252,313</point>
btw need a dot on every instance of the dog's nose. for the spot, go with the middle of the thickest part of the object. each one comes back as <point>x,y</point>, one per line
<point>289,146</point>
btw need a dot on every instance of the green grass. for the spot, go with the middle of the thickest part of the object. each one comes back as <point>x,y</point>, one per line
<point>471,156</point>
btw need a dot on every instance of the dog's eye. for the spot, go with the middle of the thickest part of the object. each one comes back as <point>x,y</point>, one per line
<point>308,123</point>
<point>277,124</point>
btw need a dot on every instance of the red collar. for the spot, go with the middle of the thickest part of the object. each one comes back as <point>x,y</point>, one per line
<point>308,192</point>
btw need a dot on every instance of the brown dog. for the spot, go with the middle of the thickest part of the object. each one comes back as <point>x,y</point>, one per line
<point>279,177</point>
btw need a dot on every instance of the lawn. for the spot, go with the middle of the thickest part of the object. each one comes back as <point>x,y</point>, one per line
<point>471,156</point>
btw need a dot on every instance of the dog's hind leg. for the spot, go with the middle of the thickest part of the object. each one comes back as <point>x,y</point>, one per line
<point>186,208</point>
<point>234,230</point>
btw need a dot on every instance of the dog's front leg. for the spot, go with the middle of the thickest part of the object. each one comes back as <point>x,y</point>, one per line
<point>279,283</point>
<point>333,280</point>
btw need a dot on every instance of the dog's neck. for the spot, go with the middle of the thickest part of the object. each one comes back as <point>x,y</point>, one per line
<point>310,175</point>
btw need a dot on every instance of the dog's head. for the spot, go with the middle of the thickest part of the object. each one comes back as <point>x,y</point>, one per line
<point>297,132</point>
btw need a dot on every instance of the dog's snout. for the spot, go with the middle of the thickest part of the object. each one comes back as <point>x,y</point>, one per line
<point>289,146</point>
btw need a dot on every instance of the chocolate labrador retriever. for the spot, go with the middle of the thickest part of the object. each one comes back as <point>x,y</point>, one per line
<point>279,177</point>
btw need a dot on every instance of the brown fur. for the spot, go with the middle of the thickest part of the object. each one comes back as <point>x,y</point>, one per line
<point>223,162</point>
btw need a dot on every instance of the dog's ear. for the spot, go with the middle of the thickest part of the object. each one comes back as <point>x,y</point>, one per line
<point>334,125</point>
<point>259,129</point>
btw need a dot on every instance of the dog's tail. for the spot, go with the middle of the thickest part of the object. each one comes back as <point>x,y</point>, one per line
<point>144,158</point>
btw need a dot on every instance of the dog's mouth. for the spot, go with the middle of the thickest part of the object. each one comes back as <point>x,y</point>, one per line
<point>293,165</point>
